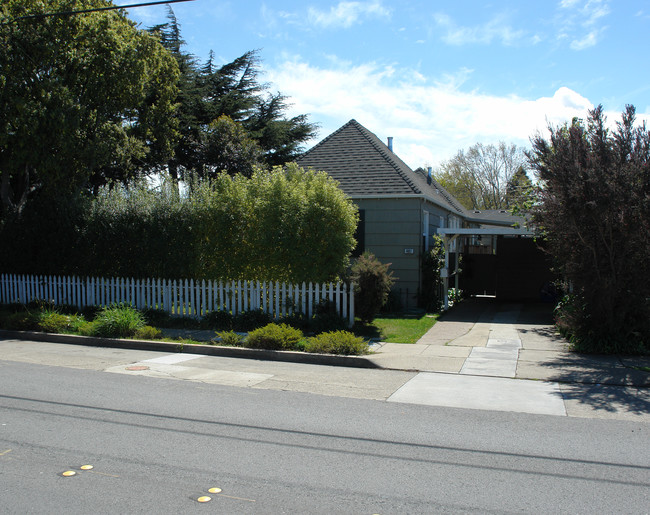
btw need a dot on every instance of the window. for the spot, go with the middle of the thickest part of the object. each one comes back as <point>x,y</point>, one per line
<point>425,231</point>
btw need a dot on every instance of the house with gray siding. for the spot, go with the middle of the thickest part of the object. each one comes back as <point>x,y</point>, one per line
<point>400,209</point>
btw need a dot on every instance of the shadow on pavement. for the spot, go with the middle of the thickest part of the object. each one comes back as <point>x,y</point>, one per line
<point>479,309</point>
<point>607,398</point>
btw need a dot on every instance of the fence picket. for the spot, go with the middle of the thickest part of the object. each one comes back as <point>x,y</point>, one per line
<point>179,297</point>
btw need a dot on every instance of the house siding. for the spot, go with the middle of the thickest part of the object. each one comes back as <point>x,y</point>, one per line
<point>387,241</point>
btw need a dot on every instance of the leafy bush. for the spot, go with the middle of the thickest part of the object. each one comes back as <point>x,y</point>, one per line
<point>22,320</point>
<point>337,342</point>
<point>86,329</point>
<point>454,295</point>
<point>372,285</point>
<point>118,322</point>
<point>430,294</point>
<point>593,210</point>
<point>41,317</point>
<point>393,304</point>
<point>567,315</point>
<point>297,320</point>
<point>148,333</point>
<point>229,338</point>
<point>274,337</point>
<point>574,322</point>
<point>219,320</point>
<point>252,319</point>
<point>51,321</point>
<point>157,317</point>
<point>327,318</point>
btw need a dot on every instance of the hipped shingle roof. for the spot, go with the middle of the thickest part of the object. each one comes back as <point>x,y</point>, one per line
<point>365,167</point>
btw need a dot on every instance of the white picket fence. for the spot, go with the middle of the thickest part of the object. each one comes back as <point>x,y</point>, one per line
<point>179,297</point>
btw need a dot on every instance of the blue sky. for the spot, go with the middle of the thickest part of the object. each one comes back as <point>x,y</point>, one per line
<point>436,76</point>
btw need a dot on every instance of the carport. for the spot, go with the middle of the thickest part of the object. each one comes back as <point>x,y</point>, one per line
<point>449,236</point>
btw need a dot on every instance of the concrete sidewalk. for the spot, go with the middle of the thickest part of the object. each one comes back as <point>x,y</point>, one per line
<point>479,337</point>
<point>479,355</point>
<point>485,338</point>
<point>482,345</point>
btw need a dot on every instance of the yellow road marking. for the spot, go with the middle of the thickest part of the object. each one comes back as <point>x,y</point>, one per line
<point>5,452</point>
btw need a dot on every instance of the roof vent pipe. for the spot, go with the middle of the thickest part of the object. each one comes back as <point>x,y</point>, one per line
<point>390,143</point>
<point>429,173</point>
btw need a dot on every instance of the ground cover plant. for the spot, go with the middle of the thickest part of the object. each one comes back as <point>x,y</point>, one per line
<point>230,338</point>
<point>396,327</point>
<point>123,321</point>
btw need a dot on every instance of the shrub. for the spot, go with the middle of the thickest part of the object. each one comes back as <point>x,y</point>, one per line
<point>148,333</point>
<point>327,318</point>
<point>454,295</point>
<point>433,261</point>
<point>593,210</point>
<point>296,319</point>
<point>86,329</point>
<point>249,320</point>
<point>337,342</point>
<point>184,322</point>
<point>88,312</point>
<point>22,321</point>
<point>274,336</point>
<point>118,322</point>
<point>372,285</point>
<point>393,304</point>
<point>229,338</point>
<point>51,321</point>
<point>157,317</point>
<point>219,320</point>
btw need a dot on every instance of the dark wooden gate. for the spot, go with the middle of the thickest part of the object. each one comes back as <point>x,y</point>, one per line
<point>520,270</point>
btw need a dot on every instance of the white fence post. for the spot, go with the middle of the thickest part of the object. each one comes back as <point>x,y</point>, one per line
<point>180,297</point>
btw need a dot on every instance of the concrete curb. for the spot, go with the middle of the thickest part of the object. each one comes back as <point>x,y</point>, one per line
<point>208,350</point>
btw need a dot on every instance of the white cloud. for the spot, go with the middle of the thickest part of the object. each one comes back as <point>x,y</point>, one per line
<point>346,14</point>
<point>587,41</point>
<point>429,121</point>
<point>495,29</point>
<point>580,21</point>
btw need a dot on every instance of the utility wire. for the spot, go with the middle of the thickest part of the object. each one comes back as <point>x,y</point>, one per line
<point>82,11</point>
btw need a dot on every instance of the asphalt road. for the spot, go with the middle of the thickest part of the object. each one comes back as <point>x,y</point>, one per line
<point>157,445</point>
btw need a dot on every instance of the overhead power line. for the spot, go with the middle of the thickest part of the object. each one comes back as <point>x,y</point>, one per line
<point>82,11</point>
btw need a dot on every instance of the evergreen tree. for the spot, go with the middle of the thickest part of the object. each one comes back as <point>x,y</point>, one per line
<point>519,191</point>
<point>208,92</point>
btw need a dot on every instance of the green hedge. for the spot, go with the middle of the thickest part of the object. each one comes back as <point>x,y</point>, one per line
<point>287,225</point>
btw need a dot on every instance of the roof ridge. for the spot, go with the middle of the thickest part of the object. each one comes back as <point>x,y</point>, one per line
<point>387,154</point>
<point>320,143</point>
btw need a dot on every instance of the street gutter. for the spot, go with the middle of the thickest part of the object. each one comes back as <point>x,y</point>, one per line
<point>190,348</point>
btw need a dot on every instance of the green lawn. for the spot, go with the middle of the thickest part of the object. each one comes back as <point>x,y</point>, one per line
<point>398,328</point>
